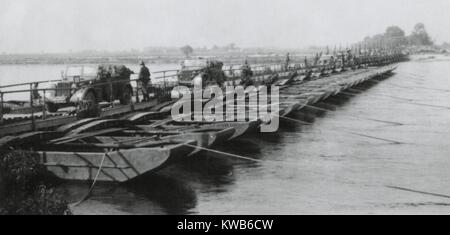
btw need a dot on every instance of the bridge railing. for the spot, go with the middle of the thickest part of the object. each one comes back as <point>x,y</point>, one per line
<point>170,78</point>
<point>42,101</point>
<point>165,76</point>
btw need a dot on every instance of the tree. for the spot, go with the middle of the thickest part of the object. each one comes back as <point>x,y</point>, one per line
<point>230,47</point>
<point>187,51</point>
<point>420,36</point>
<point>394,35</point>
<point>445,45</point>
<point>394,32</point>
<point>419,29</point>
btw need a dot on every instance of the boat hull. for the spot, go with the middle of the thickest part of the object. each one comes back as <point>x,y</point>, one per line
<point>117,166</point>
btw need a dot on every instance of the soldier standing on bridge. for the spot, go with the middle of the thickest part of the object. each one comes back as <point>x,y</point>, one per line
<point>332,64</point>
<point>144,79</point>
<point>35,96</point>
<point>1,107</point>
<point>287,62</point>
<point>246,74</point>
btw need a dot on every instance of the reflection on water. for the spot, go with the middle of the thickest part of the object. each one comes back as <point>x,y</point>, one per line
<point>318,168</point>
<point>172,191</point>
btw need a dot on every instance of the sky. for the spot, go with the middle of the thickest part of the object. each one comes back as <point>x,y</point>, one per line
<point>34,26</point>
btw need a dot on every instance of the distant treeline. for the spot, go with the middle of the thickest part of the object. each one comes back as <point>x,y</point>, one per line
<point>394,36</point>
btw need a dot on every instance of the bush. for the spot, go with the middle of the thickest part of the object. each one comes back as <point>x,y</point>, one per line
<point>19,169</point>
<point>42,201</point>
<point>25,190</point>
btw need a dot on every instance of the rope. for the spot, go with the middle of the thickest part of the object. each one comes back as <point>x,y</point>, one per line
<point>228,154</point>
<point>295,120</point>
<point>427,105</point>
<point>284,162</point>
<point>383,96</point>
<point>88,194</point>
<point>352,133</point>
<point>403,100</point>
<point>417,191</point>
<point>358,117</point>
<point>373,137</point>
<point>413,87</point>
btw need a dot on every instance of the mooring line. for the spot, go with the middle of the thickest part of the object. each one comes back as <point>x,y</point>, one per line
<point>295,120</point>
<point>387,96</point>
<point>88,194</point>
<point>376,138</point>
<point>381,96</point>
<point>229,154</point>
<point>412,87</point>
<point>428,105</point>
<point>417,79</point>
<point>284,162</point>
<point>349,132</point>
<point>424,88</point>
<point>404,100</point>
<point>412,76</point>
<point>417,191</point>
<point>358,117</point>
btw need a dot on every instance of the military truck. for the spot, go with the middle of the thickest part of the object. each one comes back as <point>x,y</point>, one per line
<point>87,86</point>
<point>205,71</point>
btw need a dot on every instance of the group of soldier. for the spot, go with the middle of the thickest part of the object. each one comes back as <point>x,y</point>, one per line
<point>105,73</point>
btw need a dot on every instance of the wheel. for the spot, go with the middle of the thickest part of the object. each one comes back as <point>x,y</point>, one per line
<point>88,107</point>
<point>51,107</point>
<point>126,96</point>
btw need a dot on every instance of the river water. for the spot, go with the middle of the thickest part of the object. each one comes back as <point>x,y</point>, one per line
<point>334,166</point>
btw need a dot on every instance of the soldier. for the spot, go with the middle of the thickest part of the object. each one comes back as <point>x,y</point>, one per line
<point>316,59</point>
<point>308,70</point>
<point>1,108</point>
<point>218,75</point>
<point>144,79</point>
<point>332,64</point>
<point>287,62</point>
<point>343,61</point>
<point>246,76</point>
<point>231,72</point>
<point>35,94</point>
<point>105,78</point>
